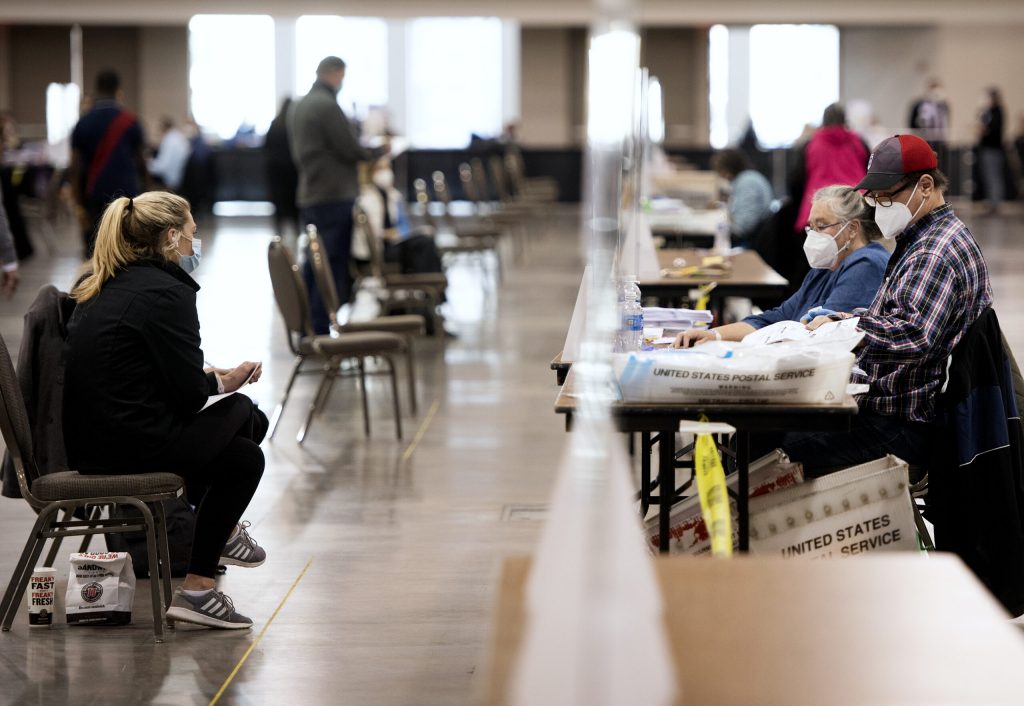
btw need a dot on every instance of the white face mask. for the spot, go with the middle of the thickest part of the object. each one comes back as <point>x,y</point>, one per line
<point>821,249</point>
<point>894,219</point>
<point>384,179</point>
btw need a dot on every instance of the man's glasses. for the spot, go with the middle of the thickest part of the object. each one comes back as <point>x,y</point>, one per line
<point>883,200</point>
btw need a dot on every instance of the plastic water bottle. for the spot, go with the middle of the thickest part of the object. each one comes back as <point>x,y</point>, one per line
<point>723,237</point>
<point>631,328</point>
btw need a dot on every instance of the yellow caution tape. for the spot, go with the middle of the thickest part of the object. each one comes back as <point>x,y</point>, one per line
<point>714,496</point>
<point>704,296</point>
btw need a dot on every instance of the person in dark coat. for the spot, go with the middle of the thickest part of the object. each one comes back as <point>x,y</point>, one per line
<point>282,176</point>
<point>135,390</point>
<point>106,155</point>
<point>991,155</point>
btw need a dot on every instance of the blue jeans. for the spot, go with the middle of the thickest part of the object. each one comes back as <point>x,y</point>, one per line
<point>333,223</point>
<point>871,436</point>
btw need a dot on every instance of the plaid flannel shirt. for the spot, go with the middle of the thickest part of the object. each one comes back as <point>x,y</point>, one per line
<point>936,285</point>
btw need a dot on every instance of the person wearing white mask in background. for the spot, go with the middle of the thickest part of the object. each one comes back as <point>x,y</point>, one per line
<point>384,206</point>
<point>846,262</point>
<point>936,286</point>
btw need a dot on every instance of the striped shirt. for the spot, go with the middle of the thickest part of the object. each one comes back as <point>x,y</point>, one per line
<point>936,285</point>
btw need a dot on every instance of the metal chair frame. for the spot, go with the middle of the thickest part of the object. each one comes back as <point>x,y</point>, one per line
<point>48,526</point>
<point>324,279</point>
<point>298,328</point>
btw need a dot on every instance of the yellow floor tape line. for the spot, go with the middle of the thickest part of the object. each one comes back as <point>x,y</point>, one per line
<point>421,431</point>
<point>227,682</point>
<point>714,496</point>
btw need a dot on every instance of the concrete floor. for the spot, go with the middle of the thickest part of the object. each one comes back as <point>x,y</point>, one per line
<point>383,555</point>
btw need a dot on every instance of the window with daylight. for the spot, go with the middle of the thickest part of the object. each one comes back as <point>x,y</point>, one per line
<point>231,74</point>
<point>779,77</point>
<point>794,76</point>
<point>454,79</point>
<point>361,42</point>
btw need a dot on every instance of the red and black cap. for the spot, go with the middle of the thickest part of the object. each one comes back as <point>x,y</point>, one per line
<point>893,158</point>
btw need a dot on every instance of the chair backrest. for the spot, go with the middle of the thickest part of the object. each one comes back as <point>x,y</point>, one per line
<point>500,179</point>
<point>363,221</point>
<point>322,274</point>
<point>514,171</point>
<point>290,293</point>
<point>441,188</point>
<point>14,426</point>
<point>422,195</point>
<point>476,165</point>
<point>469,186</point>
<point>423,200</point>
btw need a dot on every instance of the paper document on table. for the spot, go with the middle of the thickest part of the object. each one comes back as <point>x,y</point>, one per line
<point>844,332</point>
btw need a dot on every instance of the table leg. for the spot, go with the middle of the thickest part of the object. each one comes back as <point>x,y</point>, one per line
<point>645,473</point>
<point>743,488</point>
<point>666,485</point>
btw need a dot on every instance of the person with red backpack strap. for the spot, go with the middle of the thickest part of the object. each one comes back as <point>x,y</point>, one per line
<point>107,158</point>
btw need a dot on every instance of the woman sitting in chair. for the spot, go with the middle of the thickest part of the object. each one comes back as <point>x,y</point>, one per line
<point>847,266</point>
<point>135,387</point>
<point>415,253</point>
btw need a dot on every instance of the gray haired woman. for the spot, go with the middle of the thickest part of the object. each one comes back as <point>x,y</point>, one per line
<point>847,266</point>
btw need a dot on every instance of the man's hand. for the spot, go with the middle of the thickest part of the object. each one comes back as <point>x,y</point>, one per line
<point>693,337</point>
<point>9,283</point>
<point>234,378</point>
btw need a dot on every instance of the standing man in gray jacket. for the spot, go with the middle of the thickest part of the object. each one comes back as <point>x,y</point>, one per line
<point>326,150</point>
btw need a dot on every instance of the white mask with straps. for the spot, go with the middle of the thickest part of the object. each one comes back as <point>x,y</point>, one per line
<point>893,220</point>
<point>821,249</point>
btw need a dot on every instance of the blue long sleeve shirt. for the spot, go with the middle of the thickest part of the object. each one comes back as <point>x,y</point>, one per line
<point>852,285</point>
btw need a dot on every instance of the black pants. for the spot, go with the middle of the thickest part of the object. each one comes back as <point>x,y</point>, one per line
<point>416,254</point>
<point>871,436</point>
<point>219,457</point>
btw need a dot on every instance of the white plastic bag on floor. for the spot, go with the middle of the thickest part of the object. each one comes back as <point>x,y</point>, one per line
<point>101,588</point>
<point>861,509</point>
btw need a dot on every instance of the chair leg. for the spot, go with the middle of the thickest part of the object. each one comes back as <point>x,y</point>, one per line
<point>276,416</point>
<point>922,528</point>
<point>55,543</point>
<point>322,400</point>
<point>154,568</point>
<point>163,546</point>
<point>324,381</point>
<point>394,396</point>
<point>365,395</point>
<point>410,359</point>
<point>23,569</point>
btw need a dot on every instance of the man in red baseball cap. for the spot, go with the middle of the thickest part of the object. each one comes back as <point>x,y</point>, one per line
<point>936,286</point>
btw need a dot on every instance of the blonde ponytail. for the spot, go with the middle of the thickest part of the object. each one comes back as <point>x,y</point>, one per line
<point>131,229</point>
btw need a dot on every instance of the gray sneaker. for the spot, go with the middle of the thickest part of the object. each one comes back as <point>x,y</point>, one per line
<point>212,609</point>
<point>242,550</point>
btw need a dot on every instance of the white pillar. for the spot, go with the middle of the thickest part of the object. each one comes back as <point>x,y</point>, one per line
<point>396,77</point>
<point>511,65</point>
<point>284,59</point>
<point>738,110</point>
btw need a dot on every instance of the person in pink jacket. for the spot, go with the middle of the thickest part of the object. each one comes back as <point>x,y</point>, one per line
<point>834,155</point>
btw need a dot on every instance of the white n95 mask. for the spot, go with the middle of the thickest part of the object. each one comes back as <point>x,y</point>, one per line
<point>893,220</point>
<point>821,249</point>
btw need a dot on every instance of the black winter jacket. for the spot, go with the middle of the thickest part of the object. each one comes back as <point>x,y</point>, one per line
<point>976,475</point>
<point>134,370</point>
